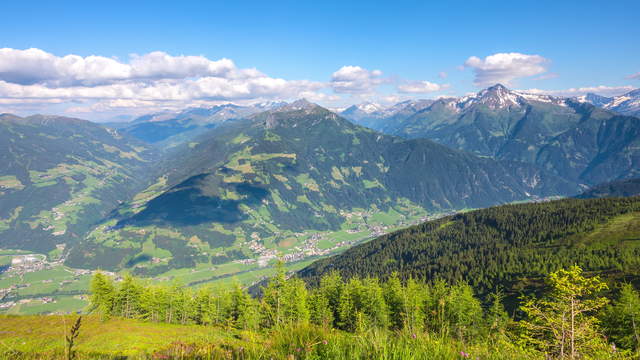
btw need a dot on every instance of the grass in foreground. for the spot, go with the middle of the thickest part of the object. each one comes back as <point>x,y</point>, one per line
<point>42,337</point>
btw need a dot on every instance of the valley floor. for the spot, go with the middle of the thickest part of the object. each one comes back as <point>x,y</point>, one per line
<point>38,285</point>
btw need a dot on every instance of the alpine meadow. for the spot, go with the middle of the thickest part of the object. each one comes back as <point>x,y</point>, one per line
<point>319,180</point>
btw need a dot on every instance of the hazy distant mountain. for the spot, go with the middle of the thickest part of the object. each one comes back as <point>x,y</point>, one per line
<point>366,114</point>
<point>273,177</point>
<point>594,99</point>
<point>620,188</point>
<point>171,128</point>
<point>575,140</point>
<point>627,104</point>
<point>377,117</point>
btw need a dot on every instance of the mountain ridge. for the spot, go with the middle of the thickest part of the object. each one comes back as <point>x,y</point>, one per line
<point>248,185</point>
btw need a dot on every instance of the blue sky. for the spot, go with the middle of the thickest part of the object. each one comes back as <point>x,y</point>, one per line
<point>570,44</point>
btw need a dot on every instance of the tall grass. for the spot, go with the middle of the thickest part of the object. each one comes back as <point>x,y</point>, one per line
<point>131,339</point>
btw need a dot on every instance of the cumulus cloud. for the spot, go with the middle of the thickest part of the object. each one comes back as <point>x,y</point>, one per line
<point>153,79</point>
<point>600,90</point>
<point>355,80</point>
<point>31,66</point>
<point>505,67</point>
<point>420,87</point>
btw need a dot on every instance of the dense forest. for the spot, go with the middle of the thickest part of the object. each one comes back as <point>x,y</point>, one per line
<point>511,247</point>
<point>570,320</point>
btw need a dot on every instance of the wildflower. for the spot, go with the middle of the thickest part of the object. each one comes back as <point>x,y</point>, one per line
<point>324,342</point>
<point>298,349</point>
<point>414,335</point>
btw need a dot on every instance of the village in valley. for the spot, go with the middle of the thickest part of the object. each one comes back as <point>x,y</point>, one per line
<point>44,284</point>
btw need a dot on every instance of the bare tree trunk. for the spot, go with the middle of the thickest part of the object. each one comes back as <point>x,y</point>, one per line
<point>573,335</point>
<point>562,338</point>
<point>635,331</point>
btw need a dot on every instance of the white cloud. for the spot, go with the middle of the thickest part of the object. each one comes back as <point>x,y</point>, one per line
<point>600,90</point>
<point>505,67</point>
<point>34,66</point>
<point>442,75</point>
<point>420,87</point>
<point>635,76</point>
<point>355,80</point>
<point>160,65</point>
<point>154,79</point>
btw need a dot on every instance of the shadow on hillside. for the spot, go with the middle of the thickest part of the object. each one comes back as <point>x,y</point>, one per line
<point>186,205</point>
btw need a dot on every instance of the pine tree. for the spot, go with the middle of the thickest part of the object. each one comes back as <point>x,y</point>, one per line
<point>102,295</point>
<point>623,318</point>
<point>273,299</point>
<point>563,323</point>
<point>127,298</point>
<point>497,318</point>
<point>295,307</point>
<point>414,306</point>
<point>374,306</point>
<point>320,310</point>
<point>331,287</point>
<point>464,311</point>
<point>394,297</point>
<point>348,305</point>
<point>244,310</point>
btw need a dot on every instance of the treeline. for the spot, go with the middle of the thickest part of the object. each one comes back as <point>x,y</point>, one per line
<point>503,246</point>
<point>573,320</point>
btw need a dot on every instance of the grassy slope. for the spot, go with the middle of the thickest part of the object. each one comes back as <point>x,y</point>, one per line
<point>42,337</point>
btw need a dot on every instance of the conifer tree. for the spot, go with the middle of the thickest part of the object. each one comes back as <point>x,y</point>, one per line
<point>497,318</point>
<point>127,298</point>
<point>320,310</point>
<point>414,306</point>
<point>562,323</point>
<point>394,297</point>
<point>331,287</point>
<point>623,318</point>
<point>102,295</point>
<point>464,311</point>
<point>273,298</point>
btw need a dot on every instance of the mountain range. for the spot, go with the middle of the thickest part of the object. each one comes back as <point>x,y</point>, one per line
<point>377,117</point>
<point>274,179</point>
<point>627,104</point>
<point>241,185</point>
<point>572,139</point>
<point>171,128</point>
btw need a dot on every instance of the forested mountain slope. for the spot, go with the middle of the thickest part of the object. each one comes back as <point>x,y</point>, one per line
<point>506,246</point>
<point>59,176</point>
<point>249,188</point>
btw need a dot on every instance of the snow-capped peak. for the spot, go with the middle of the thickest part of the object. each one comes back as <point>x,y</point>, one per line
<point>369,107</point>
<point>593,99</point>
<point>628,104</point>
<point>499,97</point>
